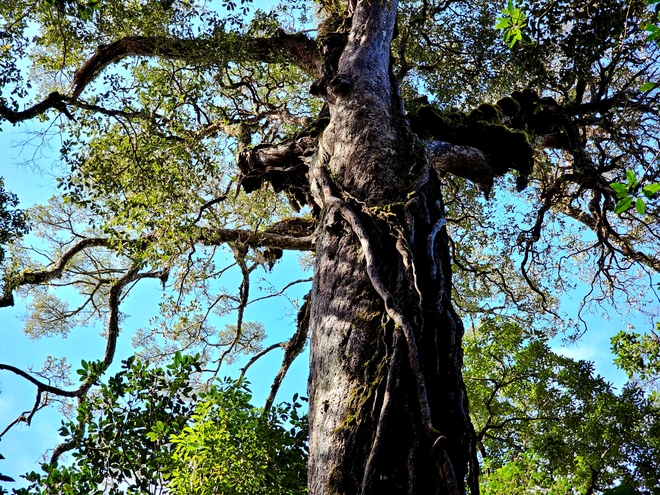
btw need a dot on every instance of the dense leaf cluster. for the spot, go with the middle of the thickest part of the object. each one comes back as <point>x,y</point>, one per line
<point>553,420</point>
<point>13,221</point>
<point>147,430</point>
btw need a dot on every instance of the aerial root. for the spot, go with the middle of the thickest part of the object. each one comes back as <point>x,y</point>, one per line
<point>372,272</point>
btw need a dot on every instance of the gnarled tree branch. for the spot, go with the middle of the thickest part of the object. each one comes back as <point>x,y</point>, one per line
<point>215,236</point>
<point>605,234</point>
<point>43,276</point>
<point>295,49</point>
<point>292,349</point>
<point>112,332</point>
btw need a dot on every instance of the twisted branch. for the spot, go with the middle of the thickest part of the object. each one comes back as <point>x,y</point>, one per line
<point>295,49</point>
<point>292,350</point>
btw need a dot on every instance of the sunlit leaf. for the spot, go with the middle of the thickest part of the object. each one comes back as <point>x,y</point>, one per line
<point>623,205</point>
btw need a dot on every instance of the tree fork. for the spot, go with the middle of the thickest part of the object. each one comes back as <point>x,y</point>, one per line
<point>379,422</point>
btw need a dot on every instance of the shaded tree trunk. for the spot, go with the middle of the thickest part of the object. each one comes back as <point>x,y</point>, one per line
<point>388,408</point>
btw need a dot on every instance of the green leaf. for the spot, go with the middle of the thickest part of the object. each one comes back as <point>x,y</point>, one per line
<point>648,86</point>
<point>651,190</point>
<point>654,35</point>
<point>619,187</point>
<point>640,206</point>
<point>623,205</point>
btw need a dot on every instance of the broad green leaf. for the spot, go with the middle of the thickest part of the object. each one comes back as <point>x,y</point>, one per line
<point>640,206</point>
<point>623,205</point>
<point>619,187</point>
<point>650,190</point>
<point>648,86</point>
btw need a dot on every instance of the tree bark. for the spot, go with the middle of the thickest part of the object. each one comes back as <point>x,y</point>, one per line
<point>388,408</point>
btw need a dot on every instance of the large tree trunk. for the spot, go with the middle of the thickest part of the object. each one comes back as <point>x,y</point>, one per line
<point>388,409</point>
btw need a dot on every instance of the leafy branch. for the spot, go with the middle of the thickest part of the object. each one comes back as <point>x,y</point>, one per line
<point>653,36</point>
<point>628,192</point>
<point>512,23</point>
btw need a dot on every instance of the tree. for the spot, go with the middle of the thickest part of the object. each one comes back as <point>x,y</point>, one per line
<point>639,355</point>
<point>145,433</point>
<point>185,129</point>
<point>545,421</point>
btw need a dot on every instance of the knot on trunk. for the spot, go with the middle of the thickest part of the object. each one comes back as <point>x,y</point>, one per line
<point>332,86</point>
<point>477,146</point>
<point>340,84</point>
<point>283,166</point>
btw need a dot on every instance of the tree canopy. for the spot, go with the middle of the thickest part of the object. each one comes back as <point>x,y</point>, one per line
<point>427,169</point>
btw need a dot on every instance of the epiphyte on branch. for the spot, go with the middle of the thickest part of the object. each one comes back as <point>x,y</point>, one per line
<point>486,113</point>
<point>508,106</point>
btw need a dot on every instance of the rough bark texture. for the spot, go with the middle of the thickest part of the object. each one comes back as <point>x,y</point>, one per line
<point>388,409</point>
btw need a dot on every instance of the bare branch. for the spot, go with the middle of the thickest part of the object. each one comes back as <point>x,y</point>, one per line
<point>244,296</point>
<point>44,387</point>
<point>292,350</point>
<point>591,222</point>
<point>44,276</point>
<point>113,318</point>
<point>259,355</point>
<point>279,293</point>
<point>54,100</point>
